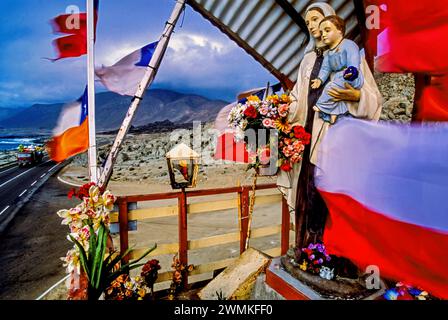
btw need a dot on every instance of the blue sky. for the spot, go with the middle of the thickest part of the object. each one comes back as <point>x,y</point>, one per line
<point>200,59</point>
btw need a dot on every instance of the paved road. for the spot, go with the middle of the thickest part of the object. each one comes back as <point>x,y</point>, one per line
<point>16,183</point>
<point>34,241</point>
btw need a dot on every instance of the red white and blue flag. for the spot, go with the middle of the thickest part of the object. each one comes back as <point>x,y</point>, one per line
<point>75,27</point>
<point>71,134</point>
<point>386,188</point>
<point>124,76</point>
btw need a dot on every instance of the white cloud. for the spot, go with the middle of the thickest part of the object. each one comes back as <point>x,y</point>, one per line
<point>183,42</point>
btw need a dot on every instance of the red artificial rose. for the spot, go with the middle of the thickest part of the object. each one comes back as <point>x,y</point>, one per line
<point>298,131</point>
<point>306,138</point>
<point>286,166</point>
<point>251,112</point>
<point>71,193</point>
<point>265,156</point>
<point>301,134</point>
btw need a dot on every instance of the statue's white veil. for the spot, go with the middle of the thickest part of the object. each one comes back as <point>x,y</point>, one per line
<point>328,11</point>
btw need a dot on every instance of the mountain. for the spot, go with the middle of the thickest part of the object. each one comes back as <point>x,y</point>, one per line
<point>157,105</point>
<point>6,113</point>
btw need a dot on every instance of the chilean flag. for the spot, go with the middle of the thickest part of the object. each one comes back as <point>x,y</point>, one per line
<point>71,135</point>
<point>386,188</point>
<point>75,44</point>
<point>124,76</point>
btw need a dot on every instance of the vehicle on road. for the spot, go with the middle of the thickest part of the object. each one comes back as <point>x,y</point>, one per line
<point>29,156</point>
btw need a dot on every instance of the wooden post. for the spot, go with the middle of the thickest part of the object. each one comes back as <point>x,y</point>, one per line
<point>285,227</point>
<point>244,218</point>
<point>147,80</point>
<point>183,235</point>
<point>93,167</point>
<point>124,228</point>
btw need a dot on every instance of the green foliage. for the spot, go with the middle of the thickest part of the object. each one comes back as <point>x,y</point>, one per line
<point>99,271</point>
<point>220,295</point>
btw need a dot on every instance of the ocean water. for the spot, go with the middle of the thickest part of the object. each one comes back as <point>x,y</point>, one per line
<point>11,143</point>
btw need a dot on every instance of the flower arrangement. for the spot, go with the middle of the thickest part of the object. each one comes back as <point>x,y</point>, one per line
<point>93,257</point>
<point>178,269</point>
<point>313,258</point>
<point>125,287</point>
<point>268,114</point>
<point>150,272</point>
<point>406,292</point>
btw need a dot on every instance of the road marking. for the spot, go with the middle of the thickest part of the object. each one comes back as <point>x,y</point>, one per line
<point>6,208</point>
<point>34,183</point>
<point>23,193</point>
<point>42,175</point>
<point>4,183</point>
<point>15,167</point>
<point>52,287</point>
<point>52,167</point>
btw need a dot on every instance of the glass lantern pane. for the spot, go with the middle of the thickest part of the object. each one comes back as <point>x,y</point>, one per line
<point>183,170</point>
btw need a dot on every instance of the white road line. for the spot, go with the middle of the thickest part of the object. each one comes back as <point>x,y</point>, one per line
<point>52,287</point>
<point>23,193</point>
<point>15,167</point>
<point>42,175</point>
<point>6,208</point>
<point>34,183</point>
<point>4,183</point>
<point>52,167</point>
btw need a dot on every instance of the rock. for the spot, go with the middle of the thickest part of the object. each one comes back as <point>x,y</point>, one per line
<point>237,281</point>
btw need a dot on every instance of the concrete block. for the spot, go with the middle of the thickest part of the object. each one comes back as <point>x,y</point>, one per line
<point>237,281</point>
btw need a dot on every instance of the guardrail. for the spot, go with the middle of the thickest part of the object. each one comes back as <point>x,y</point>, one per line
<point>183,209</point>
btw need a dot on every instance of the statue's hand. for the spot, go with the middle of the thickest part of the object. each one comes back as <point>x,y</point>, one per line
<point>316,83</point>
<point>348,94</point>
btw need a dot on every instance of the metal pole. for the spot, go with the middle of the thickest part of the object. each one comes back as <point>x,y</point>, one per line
<point>93,168</point>
<point>149,76</point>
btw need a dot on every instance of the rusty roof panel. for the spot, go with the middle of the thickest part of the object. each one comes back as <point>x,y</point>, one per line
<point>267,32</point>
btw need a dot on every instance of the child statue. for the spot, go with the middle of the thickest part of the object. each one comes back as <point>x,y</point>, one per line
<point>343,60</point>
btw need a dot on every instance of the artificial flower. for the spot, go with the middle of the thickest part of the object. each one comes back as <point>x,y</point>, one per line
<point>251,112</point>
<point>268,123</point>
<point>283,110</point>
<point>286,166</point>
<point>253,99</point>
<point>283,125</point>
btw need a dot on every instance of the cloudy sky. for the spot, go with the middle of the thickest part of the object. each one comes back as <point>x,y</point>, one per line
<point>200,59</point>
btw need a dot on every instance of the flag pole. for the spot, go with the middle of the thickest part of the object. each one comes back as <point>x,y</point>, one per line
<point>92,157</point>
<point>148,78</point>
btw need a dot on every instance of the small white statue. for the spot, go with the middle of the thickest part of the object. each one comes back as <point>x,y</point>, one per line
<point>326,273</point>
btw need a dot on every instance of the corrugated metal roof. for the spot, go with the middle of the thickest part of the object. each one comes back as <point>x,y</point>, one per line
<point>265,29</point>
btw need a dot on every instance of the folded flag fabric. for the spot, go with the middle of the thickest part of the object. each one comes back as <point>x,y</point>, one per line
<point>124,76</point>
<point>71,134</point>
<point>386,187</point>
<point>75,25</point>
<point>227,148</point>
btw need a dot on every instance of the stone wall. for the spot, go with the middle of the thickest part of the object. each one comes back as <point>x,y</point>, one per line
<point>398,96</point>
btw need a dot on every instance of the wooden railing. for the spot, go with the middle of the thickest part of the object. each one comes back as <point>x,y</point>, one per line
<point>182,209</point>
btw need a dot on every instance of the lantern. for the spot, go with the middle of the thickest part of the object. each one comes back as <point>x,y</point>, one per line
<point>183,166</point>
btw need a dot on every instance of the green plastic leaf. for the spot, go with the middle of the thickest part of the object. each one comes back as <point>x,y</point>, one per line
<point>83,257</point>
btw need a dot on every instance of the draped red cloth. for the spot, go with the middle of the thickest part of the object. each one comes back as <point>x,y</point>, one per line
<point>416,40</point>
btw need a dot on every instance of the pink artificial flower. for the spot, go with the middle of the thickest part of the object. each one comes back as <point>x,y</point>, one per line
<point>268,123</point>
<point>283,110</point>
<point>263,111</point>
